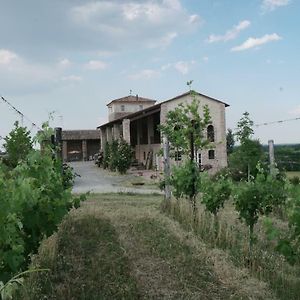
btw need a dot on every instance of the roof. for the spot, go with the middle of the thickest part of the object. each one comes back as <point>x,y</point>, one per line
<point>203,95</point>
<point>132,99</point>
<point>154,107</point>
<point>88,134</point>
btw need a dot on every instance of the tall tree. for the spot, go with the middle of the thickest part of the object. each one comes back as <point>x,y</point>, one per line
<point>230,141</point>
<point>17,145</point>
<point>244,159</point>
<point>186,130</point>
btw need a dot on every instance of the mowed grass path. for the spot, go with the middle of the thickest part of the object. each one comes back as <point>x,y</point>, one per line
<point>123,247</point>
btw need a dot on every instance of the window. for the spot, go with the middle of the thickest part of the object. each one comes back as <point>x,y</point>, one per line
<point>178,156</point>
<point>211,154</point>
<point>210,133</point>
<point>122,107</point>
<point>199,159</point>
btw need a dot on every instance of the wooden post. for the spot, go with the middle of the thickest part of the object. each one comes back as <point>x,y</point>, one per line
<point>166,148</point>
<point>58,142</point>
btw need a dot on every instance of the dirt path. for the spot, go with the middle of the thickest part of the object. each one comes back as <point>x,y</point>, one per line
<point>96,180</point>
<point>167,261</point>
<point>124,247</point>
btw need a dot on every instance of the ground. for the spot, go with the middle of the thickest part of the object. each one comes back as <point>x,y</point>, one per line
<point>120,246</point>
<point>96,180</point>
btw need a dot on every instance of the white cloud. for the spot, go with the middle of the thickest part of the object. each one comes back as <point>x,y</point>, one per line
<point>65,63</point>
<point>230,34</point>
<point>18,74</point>
<point>205,58</point>
<point>96,65</point>
<point>184,67</point>
<point>145,74</point>
<point>255,42</point>
<point>295,111</point>
<point>119,24</point>
<point>7,56</point>
<point>72,78</point>
<point>270,5</point>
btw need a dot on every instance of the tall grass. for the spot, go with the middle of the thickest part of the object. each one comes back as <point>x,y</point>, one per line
<point>229,234</point>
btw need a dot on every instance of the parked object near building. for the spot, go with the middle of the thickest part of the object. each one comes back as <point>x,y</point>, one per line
<point>80,144</point>
<point>140,128</point>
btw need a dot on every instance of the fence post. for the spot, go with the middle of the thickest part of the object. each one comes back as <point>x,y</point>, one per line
<point>166,148</point>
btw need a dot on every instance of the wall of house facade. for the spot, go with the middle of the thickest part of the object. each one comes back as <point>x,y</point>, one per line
<point>115,110</point>
<point>217,112</point>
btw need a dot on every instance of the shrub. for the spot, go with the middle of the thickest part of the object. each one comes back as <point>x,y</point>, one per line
<point>124,157</point>
<point>295,180</point>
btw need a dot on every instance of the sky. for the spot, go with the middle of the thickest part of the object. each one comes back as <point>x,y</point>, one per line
<point>71,57</point>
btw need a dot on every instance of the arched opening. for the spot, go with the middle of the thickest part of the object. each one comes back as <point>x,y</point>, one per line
<point>210,133</point>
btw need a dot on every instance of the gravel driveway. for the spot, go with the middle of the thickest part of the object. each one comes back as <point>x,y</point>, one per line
<point>96,180</point>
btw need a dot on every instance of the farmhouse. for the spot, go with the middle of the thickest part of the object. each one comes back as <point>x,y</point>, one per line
<point>136,120</point>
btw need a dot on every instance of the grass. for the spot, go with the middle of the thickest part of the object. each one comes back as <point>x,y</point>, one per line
<point>88,262</point>
<point>121,246</point>
<point>233,237</point>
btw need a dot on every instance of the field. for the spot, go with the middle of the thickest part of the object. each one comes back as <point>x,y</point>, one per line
<point>120,246</point>
<point>291,174</point>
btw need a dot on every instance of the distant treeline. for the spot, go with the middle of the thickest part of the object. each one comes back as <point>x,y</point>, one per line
<point>287,157</point>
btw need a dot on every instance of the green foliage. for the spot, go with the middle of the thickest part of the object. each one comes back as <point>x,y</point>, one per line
<point>258,197</point>
<point>17,145</point>
<point>114,155</point>
<point>185,121</point>
<point>8,290</point>
<point>244,128</point>
<point>215,192</point>
<point>295,180</point>
<point>183,179</point>
<point>124,157</point>
<point>244,159</point>
<point>34,200</point>
<point>287,157</point>
<point>117,156</point>
<point>186,130</point>
<point>230,141</point>
<point>106,155</point>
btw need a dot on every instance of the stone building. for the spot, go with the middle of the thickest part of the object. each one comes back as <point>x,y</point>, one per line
<point>140,128</point>
<point>80,144</point>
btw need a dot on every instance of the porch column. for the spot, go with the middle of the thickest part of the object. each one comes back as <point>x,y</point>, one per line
<point>150,130</point>
<point>109,134</point>
<point>84,150</point>
<point>116,131</point>
<point>126,130</point>
<point>103,138</point>
<point>65,150</point>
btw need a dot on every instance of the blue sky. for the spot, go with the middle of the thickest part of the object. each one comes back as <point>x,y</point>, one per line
<point>74,56</point>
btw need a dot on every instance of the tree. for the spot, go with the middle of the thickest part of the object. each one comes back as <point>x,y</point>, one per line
<point>244,159</point>
<point>258,197</point>
<point>17,145</point>
<point>186,130</point>
<point>244,128</point>
<point>229,141</point>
